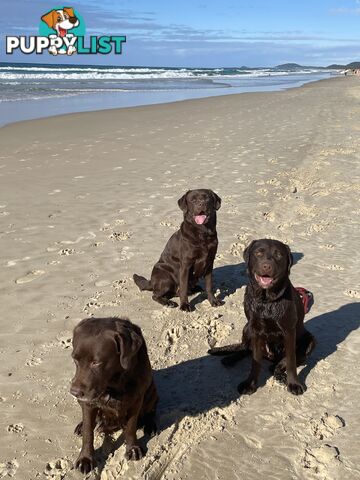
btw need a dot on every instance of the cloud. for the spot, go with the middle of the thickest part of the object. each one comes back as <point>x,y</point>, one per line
<point>345,11</point>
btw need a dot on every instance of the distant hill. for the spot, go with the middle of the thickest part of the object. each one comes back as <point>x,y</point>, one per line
<point>334,66</point>
<point>294,66</point>
<point>349,65</point>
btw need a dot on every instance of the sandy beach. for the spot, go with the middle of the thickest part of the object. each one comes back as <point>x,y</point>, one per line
<point>88,199</point>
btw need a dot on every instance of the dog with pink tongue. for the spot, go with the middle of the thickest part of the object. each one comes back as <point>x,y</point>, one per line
<point>189,253</point>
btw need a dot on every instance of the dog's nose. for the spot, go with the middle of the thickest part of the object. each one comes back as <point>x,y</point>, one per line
<point>266,267</point>
<point>73,20</point>
<point>76,392</point>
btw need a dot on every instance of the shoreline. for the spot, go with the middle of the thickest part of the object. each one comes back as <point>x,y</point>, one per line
<point>89,199</point>
<point>88,102</point>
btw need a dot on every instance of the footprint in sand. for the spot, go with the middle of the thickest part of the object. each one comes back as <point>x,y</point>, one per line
<point>33,362</point>
<point>67,251</point>
<point>326,426</point>
<point>8,469</point>
<point>169,224</point>
<point>237,249</point>
<point>120,236</point>
<point>122,284</point>
<point>327,246</point>
<point>352,293</point>
<point>58,468</point>
<point>105,227</point>
<point>124,254</point>
<point>120,221</point>
<point>30,276</point>
<point>172,336</point>
<point>98,244</point>
<point>269,216</point>
<point>334,267</point>
<point>65,341</point>
<point>93,304</point>
<point>321,459</point>
<point>15,428</point>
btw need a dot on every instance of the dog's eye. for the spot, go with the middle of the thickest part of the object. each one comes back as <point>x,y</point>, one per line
<point>259,253</point>
<point>59,19</point>
<point>95,364</point>
<point>277,255</point>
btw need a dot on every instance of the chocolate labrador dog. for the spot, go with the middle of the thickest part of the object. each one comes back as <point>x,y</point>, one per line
<point>113,384</point>
<point>188,255</point>
<point>275,318</point>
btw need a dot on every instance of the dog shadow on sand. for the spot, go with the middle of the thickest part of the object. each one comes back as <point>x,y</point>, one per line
<point>196,386</point>
<point>330,330</point>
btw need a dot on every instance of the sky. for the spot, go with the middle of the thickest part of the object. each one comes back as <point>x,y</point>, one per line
<point>199,33</point>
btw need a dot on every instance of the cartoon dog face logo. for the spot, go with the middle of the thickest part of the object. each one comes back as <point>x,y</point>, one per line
<point>61,21</point>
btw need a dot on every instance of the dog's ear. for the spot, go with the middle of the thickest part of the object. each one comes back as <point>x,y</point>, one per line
<point>50,18</point>
<point>128,343</point>
<point>217,201</point>
<point>247,252</point>
<point>290,258</point>
<point>69,11</point>
<point>183,203</point>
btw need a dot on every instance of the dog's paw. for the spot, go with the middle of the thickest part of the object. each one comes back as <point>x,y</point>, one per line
<point>171,304</point>
<point>186,307</point>
<point>150,428</point>
<point>134,453</point>
<point>85,463</point>
<point>215,302</point>
<point>247,388</point>
<point>296,388</point>
<point>78,429</point>
<point>280,376</point>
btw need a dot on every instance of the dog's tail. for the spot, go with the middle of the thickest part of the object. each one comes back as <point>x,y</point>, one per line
<point>228,349</point>
<point>233,353</point>
<point>142,283</point>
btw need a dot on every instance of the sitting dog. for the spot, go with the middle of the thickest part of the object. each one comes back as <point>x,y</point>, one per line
<point>113,384</point>
<point>188,255</point>
<point>61,21</point>
<point>275,318</point>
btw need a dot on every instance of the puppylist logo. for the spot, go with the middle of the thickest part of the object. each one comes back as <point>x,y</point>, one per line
<point>62,32</point>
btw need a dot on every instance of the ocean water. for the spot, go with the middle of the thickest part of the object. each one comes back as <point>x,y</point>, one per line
<point>30,91</point>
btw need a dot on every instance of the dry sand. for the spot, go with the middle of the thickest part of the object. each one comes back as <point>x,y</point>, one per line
<point>86,200</point>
